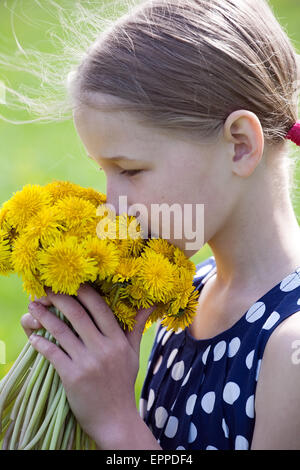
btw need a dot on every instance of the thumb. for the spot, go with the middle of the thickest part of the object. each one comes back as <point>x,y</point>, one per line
<point>135,336</point>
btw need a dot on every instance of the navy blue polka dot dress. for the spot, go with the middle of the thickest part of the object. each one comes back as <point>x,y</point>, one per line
<point>199,394</point>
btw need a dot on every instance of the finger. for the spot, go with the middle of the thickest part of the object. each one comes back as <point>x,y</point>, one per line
<point>76,314</point>
<point>30,324</point>
<point>60,361</point>
<point>100,311</point>
<point>44,300</point>
<point>134,337</point>
<point>58,329</point>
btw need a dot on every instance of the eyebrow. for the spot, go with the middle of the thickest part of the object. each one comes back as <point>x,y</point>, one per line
<point>116,158</point>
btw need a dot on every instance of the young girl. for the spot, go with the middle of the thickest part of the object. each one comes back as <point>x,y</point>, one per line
<point>200,97</point>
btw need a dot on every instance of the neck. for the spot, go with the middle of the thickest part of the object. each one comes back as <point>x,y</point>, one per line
<point>259,244</point>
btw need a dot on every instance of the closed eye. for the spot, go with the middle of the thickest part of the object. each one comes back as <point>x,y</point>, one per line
<point>130,172</point>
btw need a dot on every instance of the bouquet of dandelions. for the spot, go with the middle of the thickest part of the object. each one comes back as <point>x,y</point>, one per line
<point>52,236</point>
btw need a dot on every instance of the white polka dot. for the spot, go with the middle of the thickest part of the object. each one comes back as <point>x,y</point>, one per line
<point>178,370</point>
<point>192,433</point>
<point>234,346</point>
<point>178,331</point>
<point>180,448</point>
<point>166,337</point>
<point>298,301</point>
<point>150,399</point>
<point>250,407</point>
<point>173,404</point>
<point>219,350</point>
<point>211,448</point>
<point>291,282</point>
<point>255,312</point>
<point>205,354</point>
<point>258,369</point>
<point>172,357</point>
<point>273,318</point>
<point>172,426</point>
<point>225,428</point>
<point>190,404</point>
<point>208,402</point>
<point>186,377</point>
<point>241,443</point>
<point>249,359</point>
<point>161,416</point>
<point>142,407</point>
<point>160,334</point>
<point>157,365</point>
<point>202,271</point>
<point>231,392</point>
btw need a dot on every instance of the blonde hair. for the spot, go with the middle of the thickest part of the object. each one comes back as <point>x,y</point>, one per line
<point>184,66</point>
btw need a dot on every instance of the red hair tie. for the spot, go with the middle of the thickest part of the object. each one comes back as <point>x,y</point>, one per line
<point>294,133</point>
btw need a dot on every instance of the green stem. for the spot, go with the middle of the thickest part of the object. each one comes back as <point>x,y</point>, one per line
<point>14,366</point>
<point>68,430</point>
<point>77,436</point>
<point>32,411</point>
<point>54,387</point>
<point>46,421</point>
<point>47,438</point>
<point>15,376</point>
<point>58,421</point>
<point>61,433</point>
<point>116,296</point>
<point>24,387</point>
<point>24,402</point>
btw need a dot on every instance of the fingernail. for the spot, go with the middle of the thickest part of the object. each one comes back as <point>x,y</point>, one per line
<point>35,323</point>
<point>32,337</point>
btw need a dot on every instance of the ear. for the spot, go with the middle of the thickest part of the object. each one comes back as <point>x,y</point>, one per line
<point>244,130</point>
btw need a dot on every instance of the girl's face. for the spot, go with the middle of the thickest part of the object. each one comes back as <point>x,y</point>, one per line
<point>157,170</point>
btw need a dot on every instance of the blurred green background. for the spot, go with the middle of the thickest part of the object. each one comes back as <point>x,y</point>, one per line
<point>38,153</point>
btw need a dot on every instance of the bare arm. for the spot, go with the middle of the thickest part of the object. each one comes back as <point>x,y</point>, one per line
<point>277,403</point>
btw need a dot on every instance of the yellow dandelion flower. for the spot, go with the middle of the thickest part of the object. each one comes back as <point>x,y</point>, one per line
<point>184,317</point>
<point>157,314</point>
<point>125,314</point>
<point>24,255</point>
<point>139,296</point>
<point>184,286</point>
<point>74,211</point>
<point>128,227</point>
<point>25,204</point>
<point>64,266</point>
<point>95,197</point>
<point>104,253</point>
<point>33,286</point>
<point>157,275</point>
<point>106,223</point>
<point>5,254</point>
<point>44,226</point>
<point>181,260</point>
<point>4,222</point>
<point>126,269</point>
<point>131,247</point>
<point>61,189</point>
<point>162,246</point>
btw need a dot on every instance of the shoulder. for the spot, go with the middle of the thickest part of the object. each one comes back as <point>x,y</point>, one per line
<point>277,400</point>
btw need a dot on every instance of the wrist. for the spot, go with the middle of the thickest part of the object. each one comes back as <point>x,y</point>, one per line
<point>129,432</point>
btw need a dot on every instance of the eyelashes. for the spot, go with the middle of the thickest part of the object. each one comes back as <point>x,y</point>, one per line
<point>126,172</point>
<point>130,172</point>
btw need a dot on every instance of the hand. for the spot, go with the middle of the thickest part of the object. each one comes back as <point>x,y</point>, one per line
<point>31,324</point>
<point>98,369</point>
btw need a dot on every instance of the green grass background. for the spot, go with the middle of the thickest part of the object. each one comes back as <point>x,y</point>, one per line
<point>39,153</point>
